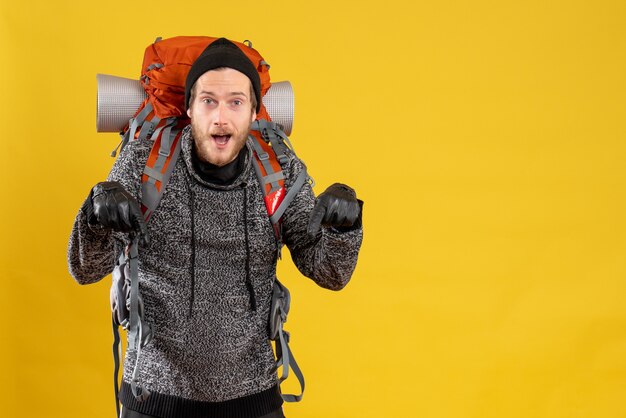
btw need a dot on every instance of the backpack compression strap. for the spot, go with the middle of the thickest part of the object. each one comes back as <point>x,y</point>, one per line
<point>141,125</point>
<point>279,309</point>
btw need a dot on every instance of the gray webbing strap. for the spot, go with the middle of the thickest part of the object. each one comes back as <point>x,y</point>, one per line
<point>152,173</point>
<point>138,120</point>
<point>117,347</point>
<point>135,331</point>
<point>166,142</point>
<point>168,172</point>
<point>140,393</point>
<point>117,350</point>
<point>150,196</point>
<point>153,66</point>
<point>259,175</point>
<point>279,309</point>
<point>133,328</point>
<point>265,161</point>
<point>148,127</point>
<point>158,131</point>
<point>165,148</point>
<point>296,370</point>
<point>287,360</point>
<point>271,132</point>
<point>291,193</point>
<point>122,144</point>
<point>285,139</point>
<point>284,353</point>
<point>274,177</point>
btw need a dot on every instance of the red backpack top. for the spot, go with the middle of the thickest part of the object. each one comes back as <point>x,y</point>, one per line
<point>167,62</point>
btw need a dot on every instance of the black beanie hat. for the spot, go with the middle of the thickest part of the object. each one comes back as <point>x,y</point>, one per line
<point>223,53</point>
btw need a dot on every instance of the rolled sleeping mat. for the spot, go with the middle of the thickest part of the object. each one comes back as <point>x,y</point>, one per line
<point>119,98</point>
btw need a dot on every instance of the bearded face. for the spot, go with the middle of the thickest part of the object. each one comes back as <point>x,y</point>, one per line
<point>221,112</point>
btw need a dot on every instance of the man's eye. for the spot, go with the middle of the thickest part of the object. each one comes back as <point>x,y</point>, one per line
<point>237,102</point>
<point>207,101</point>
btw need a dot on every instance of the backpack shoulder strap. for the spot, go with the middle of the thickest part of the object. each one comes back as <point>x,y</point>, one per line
<point>270,145</point>
<point>160,164</point>
<point>156,174</point>
<point>125,289</point>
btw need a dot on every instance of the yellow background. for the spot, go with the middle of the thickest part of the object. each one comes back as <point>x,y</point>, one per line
<point>486,138</point>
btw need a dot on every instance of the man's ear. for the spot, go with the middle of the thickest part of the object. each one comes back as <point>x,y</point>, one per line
<point>189,112</point>
<point>253,118</point>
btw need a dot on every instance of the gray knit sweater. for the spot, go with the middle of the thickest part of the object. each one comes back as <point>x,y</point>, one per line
<point>210,351</point>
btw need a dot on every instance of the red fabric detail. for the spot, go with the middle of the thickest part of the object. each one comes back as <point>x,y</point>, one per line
<point>273,200</point>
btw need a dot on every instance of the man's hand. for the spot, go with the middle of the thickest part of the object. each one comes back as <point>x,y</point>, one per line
<point>114,208</point>
<point>337,207</point>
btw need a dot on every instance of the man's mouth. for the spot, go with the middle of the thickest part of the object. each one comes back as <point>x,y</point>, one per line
<point>221,139</point>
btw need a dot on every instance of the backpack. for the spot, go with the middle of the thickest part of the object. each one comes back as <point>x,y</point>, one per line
<point>162,117</point>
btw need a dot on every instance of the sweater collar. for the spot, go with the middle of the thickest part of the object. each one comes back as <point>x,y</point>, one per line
<point>222,175</point>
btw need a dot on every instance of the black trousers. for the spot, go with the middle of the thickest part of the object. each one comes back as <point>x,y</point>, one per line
<point>127,413</point>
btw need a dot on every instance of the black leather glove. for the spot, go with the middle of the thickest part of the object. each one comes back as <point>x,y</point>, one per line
<point>112,207</point>
<point>337,207</point>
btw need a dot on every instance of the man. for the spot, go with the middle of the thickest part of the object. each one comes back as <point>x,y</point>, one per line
<point>207,261</point>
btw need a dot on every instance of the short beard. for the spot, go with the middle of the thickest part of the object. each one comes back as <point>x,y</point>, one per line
<point>205,157</point>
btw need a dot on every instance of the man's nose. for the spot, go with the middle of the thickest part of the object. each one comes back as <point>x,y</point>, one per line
<point>220,115</point>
